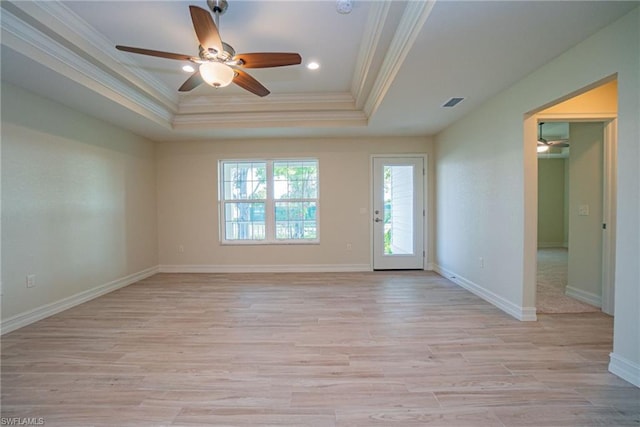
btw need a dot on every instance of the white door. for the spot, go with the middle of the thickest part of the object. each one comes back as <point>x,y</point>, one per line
<point>398,213</point>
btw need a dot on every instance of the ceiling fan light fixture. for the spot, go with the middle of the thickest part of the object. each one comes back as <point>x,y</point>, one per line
<point>219,64</point>
<point>543,148</point>
<point>217,74</point>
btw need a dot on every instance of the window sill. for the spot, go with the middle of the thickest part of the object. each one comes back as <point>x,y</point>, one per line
<point>268,243</point>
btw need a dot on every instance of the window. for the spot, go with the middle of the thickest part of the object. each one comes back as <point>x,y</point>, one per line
<point>269,201</point>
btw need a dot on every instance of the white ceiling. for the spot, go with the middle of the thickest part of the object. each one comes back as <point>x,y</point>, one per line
<point>386,68</point>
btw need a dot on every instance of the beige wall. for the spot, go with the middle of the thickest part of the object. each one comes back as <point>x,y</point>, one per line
<point>585,231</point>
<point>78,203</point>
<point>551,195</point>
<point>188,209</point>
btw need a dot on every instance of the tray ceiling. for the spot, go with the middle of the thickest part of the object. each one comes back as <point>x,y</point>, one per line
<point>385,69</point>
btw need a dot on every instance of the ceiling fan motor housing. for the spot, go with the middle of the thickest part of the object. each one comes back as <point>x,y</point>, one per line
<point>227,53</point>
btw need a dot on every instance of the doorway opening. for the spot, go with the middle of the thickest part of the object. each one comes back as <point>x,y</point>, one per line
<point>570,216</point>
<point>583,176</point>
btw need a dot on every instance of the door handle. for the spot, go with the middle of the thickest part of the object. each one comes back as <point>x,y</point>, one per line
<point>377,220</point>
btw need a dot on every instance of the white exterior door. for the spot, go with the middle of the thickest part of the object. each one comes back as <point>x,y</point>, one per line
<point>398,213</point>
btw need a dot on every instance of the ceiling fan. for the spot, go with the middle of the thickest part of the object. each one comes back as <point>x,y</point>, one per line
<point>219,65</point>
<point>544,144</point>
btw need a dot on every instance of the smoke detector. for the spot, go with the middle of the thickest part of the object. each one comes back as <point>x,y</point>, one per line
<point>344,6</point>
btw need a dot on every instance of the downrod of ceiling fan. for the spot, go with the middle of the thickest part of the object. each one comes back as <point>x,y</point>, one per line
<point>540,138</point>
<point>218,7</point>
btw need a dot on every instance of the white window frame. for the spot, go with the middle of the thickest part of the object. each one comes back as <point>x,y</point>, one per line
<point>270,201</point>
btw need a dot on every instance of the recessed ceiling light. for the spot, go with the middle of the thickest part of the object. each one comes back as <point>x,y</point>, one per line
<point>188,69</point>
<point>313,65</point>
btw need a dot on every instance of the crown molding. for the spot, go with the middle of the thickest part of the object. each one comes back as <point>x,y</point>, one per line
<point>45,33</point>
<point>373,31</point>
<point>413,19</point>
<point>57,21</point>
<point>51,34</point>
<point>271,119</point>
<point>194,104</point>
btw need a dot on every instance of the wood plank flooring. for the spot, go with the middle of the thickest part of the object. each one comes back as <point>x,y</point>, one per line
<point>351,349</point>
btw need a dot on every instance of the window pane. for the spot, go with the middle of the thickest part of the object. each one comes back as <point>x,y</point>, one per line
<point>244,221</point>
<point>289,187</point>
<point>398,210</point>
<point>295,179</point>
<point>296,220</point>
<point>244,180</point>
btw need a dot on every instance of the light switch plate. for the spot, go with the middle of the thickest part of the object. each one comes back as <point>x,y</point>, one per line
<point>583,210</point>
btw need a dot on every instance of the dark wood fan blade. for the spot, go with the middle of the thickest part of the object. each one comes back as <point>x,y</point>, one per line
<point>192,82</point>
<point>245,81</point>
<point>205,28</point>
<point>157,53</point>
<point>267,59</point>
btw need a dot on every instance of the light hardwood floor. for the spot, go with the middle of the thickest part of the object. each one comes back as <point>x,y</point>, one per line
<point>352,349</point>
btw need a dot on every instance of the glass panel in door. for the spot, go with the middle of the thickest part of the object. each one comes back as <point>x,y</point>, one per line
<point>398,213</point>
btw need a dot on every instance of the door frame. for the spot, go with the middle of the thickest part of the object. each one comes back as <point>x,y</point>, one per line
<point>609,200</point>
<point>425,205</point>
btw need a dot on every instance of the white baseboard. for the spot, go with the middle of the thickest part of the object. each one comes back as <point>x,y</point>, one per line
<point>294,268</point>
<point>625,369</point>
<point>584,296</point>
<point>31,316</point>
<point>521,313</point>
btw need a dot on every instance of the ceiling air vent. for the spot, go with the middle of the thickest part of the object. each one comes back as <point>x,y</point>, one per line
<point>453,102</point>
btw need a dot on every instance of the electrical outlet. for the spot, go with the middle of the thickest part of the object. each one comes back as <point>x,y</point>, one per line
<point>349,246</point>
<point>481,262</point>
<point>181,249</point>
<point>31,280</point>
